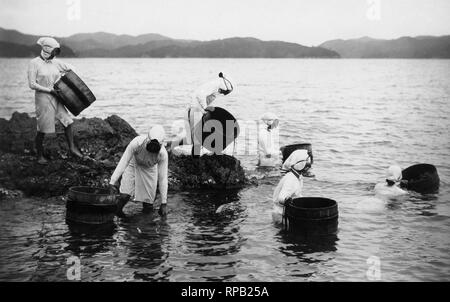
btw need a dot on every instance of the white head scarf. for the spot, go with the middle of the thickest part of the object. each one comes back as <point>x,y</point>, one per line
<point>47,44</point>
<point>270,119</point>
<point>158,133</point>
<point>394,173</point>
<point>297,160</point>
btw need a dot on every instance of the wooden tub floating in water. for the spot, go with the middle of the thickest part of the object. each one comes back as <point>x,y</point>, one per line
<point>311,216</point>
<point>88,205</point>
<point>421,178</point>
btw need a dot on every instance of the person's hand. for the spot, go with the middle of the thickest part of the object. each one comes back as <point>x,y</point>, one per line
<point>113,190</point>
<point>163,209</point>
<point>54,92</point>
<point>210,108</point>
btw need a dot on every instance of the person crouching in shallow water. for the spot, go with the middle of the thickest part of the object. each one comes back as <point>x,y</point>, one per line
<point>43,72</point>
<point>392,185</point>
<point>291,185</point>
<point>268,148</point>
<point>143,168</point>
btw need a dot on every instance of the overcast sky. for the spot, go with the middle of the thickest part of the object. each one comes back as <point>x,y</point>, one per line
<point>306,22</point>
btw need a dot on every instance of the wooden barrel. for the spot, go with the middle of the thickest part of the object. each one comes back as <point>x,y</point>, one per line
<point>73,93</point>
<point>311,215</point>
<point>88,205</point>
<point>226,130</point>
<point>422,178</point>
<point>287,150</point>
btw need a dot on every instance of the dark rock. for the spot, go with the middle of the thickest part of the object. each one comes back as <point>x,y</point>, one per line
<point>103,143</point>
<point>208,171</point>
<point>10,194</point>
<point>97,138</point>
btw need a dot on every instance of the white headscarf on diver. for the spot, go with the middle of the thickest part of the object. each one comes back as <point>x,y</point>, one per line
<point>156,137</point>
<point>394,174</point>
<point>157,132</point>
<point>391,186</point>
<point>49,45</point>
<point>270,119</point>
<point>297,161</point>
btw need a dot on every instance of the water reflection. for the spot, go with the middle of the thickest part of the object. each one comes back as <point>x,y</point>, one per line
<point>88,240</point>
<point>214,236</point>
<point>211,233</point>
<point>145,236</point>
<point>414,203</point>
<point>303,245</point>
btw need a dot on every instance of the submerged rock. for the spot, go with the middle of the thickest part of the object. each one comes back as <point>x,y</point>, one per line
<point>207,171</point>
<point>103,142</point>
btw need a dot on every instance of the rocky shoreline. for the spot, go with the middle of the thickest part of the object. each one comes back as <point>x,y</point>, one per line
<point>102,141</point>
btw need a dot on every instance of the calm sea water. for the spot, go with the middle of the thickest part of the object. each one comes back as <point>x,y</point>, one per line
<point>360,116</point>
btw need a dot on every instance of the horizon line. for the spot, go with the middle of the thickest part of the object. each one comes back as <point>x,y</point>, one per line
<point>217,39</point>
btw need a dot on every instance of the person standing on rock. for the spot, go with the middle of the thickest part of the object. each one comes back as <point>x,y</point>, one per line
<point>43,72</point>
<point>143,167</point>
<point>201,104</point>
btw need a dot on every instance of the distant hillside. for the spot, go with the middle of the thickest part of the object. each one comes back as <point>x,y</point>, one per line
<point>14,44</point>
<point>13,50</point>
<point>226,48</point>
<point>107,41</point>
<point>405,47</point>
<point>243,48</point>
<point>14,36</point>
<point>154,45</point>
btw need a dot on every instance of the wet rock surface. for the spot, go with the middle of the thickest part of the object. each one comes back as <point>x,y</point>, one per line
<point>102,141</point>
<point>208,171</point>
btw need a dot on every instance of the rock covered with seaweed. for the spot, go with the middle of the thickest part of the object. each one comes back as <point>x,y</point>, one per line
<point>103,142</point>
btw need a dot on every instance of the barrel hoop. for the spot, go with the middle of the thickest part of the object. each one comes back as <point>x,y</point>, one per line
<point>312,219</point>
<point>77,90</point>
<point>65,99</point>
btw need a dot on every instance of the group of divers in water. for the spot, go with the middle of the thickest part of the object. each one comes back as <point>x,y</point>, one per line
<point>143,167</point>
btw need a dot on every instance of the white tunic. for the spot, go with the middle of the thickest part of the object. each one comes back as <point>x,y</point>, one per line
<point>384,190</point>
<point>268,145</point>
<point>201,99</point>
<point>42,75</point>
<point>289,187</point>
<point>142,171</point>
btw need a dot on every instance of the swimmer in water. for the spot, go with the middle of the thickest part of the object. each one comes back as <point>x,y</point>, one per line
<point>392,185</point>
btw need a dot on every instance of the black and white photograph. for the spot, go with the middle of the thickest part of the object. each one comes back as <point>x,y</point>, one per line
<point>205,142</point>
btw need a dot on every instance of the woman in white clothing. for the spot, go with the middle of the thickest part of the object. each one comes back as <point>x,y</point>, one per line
<point>392,185</point>
<point>200,104</point>
<point>268,147</point>
<point>143,167</point>
<point>43,72</point>
<point>291,184</point>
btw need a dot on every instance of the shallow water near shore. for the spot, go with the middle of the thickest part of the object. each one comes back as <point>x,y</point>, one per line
<point>360,117</point>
